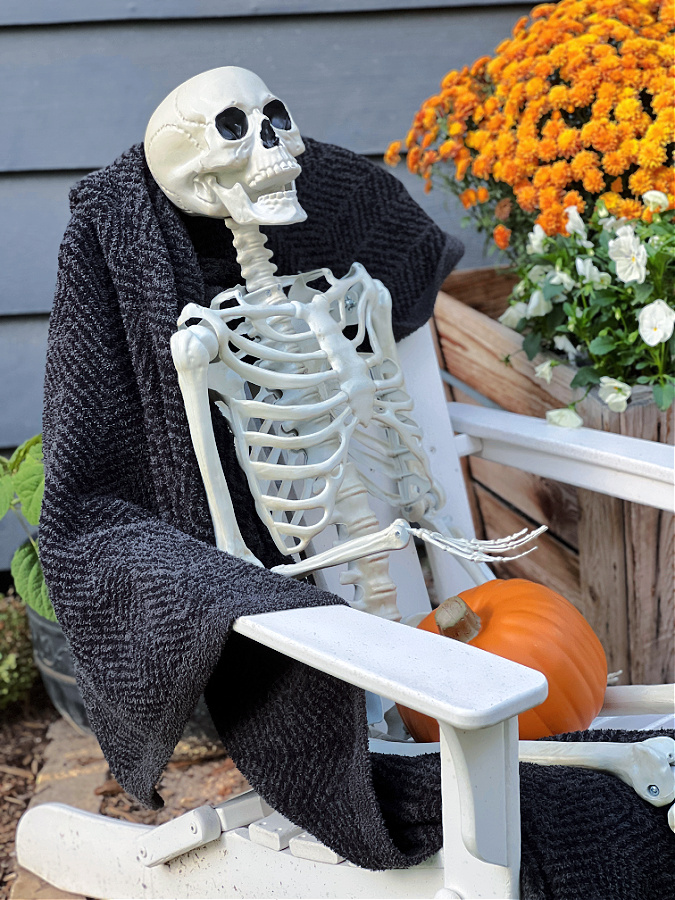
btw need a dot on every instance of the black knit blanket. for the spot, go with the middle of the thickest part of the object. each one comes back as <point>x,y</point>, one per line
<point>147,602</point>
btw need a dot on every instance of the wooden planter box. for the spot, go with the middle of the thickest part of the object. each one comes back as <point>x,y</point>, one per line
<point>612,559</point>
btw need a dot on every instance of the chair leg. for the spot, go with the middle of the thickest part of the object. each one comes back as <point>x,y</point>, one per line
<point>481,811</point>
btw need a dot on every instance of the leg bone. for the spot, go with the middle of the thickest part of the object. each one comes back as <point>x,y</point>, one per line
<point>647,766</point>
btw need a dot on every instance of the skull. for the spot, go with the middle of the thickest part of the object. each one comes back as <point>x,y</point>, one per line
<point>221,144</point>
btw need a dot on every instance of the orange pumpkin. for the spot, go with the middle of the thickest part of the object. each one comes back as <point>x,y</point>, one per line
<point>532,625</point>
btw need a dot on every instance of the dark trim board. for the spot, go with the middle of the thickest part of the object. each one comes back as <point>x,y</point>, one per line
<point>59,12</point>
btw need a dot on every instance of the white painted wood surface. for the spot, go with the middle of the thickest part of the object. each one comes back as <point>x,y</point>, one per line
<point>625,467</point>
<point>459,684</point>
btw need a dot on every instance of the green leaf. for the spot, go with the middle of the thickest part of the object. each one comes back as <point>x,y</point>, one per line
<point>602,298</point>
<point>643,292</point>
<point>551,290</point>
<point>21,451</point>
<point>586,375</point>
<point>664,395</point>
<point>29,581</point>
<point>29,483</point>
<point>602,345</point>
<point>6,493</point>
<point>532,344</point>
<point>570,311</point>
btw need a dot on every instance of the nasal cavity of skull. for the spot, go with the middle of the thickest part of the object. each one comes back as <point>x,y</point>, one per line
<point>268,135</point>
<point>232,123</point>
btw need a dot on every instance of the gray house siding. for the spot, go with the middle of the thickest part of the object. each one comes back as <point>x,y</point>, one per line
<point>80,80</point>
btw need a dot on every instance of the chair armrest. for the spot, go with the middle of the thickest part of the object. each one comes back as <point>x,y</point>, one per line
<point>636,699</point>
<point>625,467</point>
<point>458,684</point>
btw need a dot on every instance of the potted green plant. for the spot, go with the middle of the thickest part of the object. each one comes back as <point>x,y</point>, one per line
<point>22,483</point>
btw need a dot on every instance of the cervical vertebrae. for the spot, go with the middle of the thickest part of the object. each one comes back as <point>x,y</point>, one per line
<point>321,420</point>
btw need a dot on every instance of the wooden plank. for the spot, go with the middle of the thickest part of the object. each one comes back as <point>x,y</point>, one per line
<point>475,348</point>
<point>602,571</point>
<point>23,344</point>
<point>486,289</point>
<point>488,357</point>
<point>34,213</point>
<point>43,12</point>
<point>78,96</point>
<point>650,551</point>
<point>547,502</point>
<point>552,564</point>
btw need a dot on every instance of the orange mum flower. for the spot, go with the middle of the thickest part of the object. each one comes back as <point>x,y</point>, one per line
<point>578,98</point>
<point>468,198</point>
<point>574,198</point>
<point>502,236</point>
<point>393,155</point>
<point>614,163</point>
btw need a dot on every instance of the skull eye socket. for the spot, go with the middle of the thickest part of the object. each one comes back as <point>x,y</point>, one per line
<point>232,124</point>
<point>277,113</point>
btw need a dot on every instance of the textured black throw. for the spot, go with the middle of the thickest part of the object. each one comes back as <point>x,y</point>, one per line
<point>147,602</point>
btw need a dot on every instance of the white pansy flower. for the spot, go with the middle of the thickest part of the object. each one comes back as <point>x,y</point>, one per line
<point>545,370</point>
<point>537,273</point>
<point>565,281</point>
<point>535,240</point>
<point>514,314</point>
<point>656,322</point>
<point>629,254</point>
<point>657,201</point>
<point>613,223</point>
<point>538,305</point>
<point>565,418</point>
<point>591,274</point>
<point>614,393</point>
<point>520,288</point>
<point>562,343</point>
<point>575,225</point>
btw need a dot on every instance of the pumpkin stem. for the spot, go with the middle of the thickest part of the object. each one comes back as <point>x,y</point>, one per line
<point>456,620</point>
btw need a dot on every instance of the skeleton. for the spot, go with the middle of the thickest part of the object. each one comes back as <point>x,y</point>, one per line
<point>310,406</point>
<point>305,370</point>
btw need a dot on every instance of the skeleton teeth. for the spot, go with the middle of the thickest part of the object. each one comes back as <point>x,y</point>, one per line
<point>273,172</point>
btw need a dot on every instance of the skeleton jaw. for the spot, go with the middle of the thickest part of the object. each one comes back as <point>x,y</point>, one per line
<point>268,198</point>
<point>280,207</point>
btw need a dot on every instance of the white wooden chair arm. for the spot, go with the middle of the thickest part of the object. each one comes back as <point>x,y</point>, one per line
<point>636,699</point>
<point>455,683</point>
<point>624,467</point>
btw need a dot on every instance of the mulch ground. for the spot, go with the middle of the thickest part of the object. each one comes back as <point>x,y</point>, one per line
<point>23,730</point>
<point>185,785</point>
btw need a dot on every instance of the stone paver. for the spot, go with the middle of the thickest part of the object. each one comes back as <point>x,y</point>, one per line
<point>73,768</point>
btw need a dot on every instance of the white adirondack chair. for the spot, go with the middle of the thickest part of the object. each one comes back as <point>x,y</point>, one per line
<point>242,848</point>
